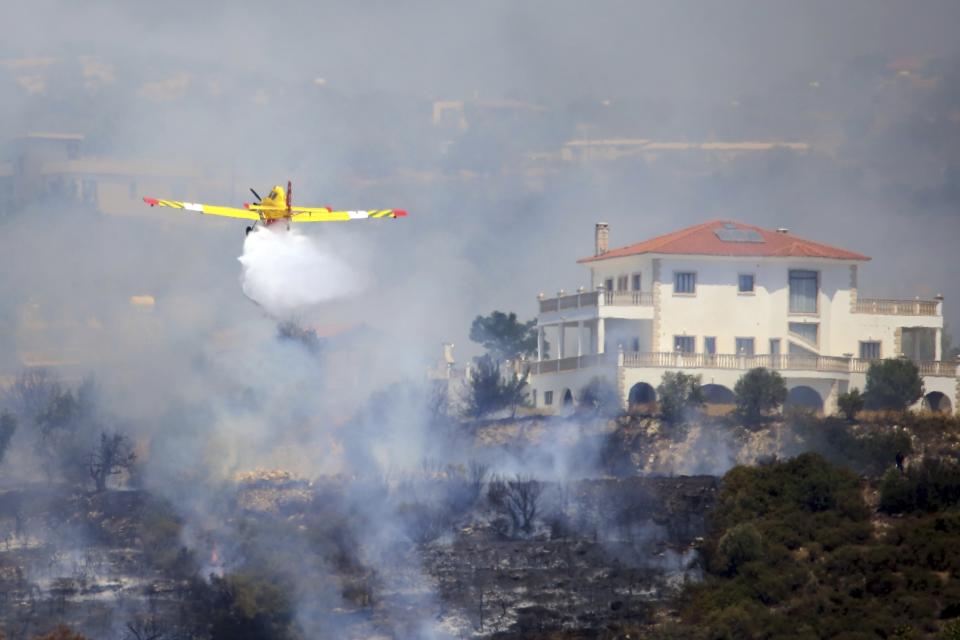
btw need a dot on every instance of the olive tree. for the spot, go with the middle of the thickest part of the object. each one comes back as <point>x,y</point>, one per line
<point>759,391</point>
<point>678,393</point>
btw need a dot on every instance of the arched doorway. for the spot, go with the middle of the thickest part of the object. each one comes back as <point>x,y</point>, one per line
<point>717,394</point>
<point>804,397</point>
<point>567,398</point>
<point>720,399</point>
<point>937,402</point>
<point>641,393</point>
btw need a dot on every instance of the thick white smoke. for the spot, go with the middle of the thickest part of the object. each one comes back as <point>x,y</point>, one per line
<point>285,271</point>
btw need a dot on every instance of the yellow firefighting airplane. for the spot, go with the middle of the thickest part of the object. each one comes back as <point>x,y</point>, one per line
<point>277,207</point>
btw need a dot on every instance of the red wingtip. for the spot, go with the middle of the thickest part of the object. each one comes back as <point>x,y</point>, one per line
<point>151,201</point>
<point>399,213</point>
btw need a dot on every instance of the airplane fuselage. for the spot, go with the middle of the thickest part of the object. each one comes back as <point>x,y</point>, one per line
<point>273,208</point>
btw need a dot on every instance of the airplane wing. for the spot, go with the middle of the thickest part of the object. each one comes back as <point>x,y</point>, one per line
<point>322,214</point>
<point>207,209</point>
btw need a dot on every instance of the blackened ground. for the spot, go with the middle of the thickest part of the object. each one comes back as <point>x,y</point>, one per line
<point>603,551</point>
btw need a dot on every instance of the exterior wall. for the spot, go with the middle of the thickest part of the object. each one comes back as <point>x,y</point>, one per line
<point>615,268</point>
<point>631,335</point>
<point>717,308</point>
<point>574,380</point>
<point>886,329</point>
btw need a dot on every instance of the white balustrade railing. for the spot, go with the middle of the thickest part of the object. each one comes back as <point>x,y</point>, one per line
<point>779,362</point>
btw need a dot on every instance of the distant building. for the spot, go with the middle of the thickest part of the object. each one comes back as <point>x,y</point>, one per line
<point>460,115</point>
<point>584,149</point>
<point>720,298</point>
<point>45,165</point>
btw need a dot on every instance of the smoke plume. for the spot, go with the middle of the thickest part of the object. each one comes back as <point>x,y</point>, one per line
<point>285,271</point>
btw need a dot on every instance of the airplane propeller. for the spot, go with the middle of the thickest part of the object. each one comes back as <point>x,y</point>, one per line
<point>289,196</point>
<point>256,195</point>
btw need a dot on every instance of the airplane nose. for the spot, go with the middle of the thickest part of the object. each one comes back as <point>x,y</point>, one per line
<point>399,213</point>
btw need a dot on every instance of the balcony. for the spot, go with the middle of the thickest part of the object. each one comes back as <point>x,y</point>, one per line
<point>782,362</point>
<point>599,303</point>
<point>628,298</point>
<point>888,307</point>
<point>571,364</point>
<point>575,301</point>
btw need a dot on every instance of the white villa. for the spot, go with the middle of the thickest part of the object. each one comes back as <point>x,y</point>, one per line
<point>720,298</point>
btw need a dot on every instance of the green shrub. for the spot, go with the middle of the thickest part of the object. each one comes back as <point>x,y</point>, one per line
<point>759,391</point>
<point>950,631</point>
<point>738,621</point>
<point>896,493</point>
<point>864,448</point>
<point>678,393</point>
<point>159,533</point>
<point>792,553</point>
<point>893,384</point>
<point>741,544</point>
<point>851,403</point>
<point>930,485</point>
<point>250,607</point>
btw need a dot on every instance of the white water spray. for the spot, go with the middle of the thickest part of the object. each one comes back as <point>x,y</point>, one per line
<point>285,271</point>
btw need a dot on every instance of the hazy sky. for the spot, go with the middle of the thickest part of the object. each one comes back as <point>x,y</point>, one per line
<point>554,49</point>
<point>231,85</point>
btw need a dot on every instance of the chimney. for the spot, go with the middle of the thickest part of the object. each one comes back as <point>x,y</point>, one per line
<point>601,238</point>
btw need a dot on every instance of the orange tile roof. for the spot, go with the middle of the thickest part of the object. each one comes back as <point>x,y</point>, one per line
<point>702,240</point>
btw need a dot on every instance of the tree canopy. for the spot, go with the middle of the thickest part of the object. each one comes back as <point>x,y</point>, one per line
<point>503,336</point>
<point>758,391</point>
<point>893,384</point>
<point>678,393</point>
